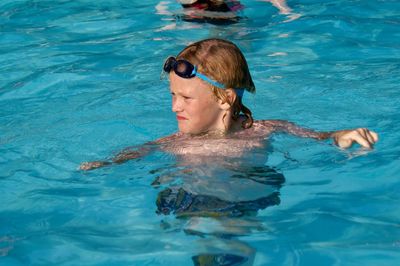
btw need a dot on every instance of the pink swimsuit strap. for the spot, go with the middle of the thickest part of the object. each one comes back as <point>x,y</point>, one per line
<point>198,6</point>
<point>235,6</point>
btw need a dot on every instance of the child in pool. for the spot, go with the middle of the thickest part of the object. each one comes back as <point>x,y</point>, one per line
<point>207,82</point>
<point>220,11</point>
<point>228,5</point>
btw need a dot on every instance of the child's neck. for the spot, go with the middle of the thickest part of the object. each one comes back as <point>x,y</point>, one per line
<point>230,127</point>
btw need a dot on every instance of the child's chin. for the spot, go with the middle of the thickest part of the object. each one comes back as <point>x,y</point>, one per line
<point>186,130</point>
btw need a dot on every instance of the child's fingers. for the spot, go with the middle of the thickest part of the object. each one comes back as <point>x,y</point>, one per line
<point>370,137</point>
<point>364,132</point>
<point>360,136</point>
<point>374,136</point>
<point>363,142</point>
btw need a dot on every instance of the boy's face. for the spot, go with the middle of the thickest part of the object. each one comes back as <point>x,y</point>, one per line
<point>197,109</point>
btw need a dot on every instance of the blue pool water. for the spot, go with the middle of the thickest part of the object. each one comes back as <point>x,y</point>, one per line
<point>79,81</point>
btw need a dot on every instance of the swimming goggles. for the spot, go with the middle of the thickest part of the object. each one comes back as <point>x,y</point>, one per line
<point>187,70</point>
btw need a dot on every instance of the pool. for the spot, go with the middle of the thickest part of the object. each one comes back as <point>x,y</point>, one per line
<point>79,81</point>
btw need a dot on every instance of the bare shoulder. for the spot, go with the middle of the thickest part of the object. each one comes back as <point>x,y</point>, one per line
<point>261,128</point>
<point>271,125</point>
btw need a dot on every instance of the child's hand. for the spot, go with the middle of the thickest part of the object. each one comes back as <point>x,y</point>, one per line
<point>363,136</point>
<point>92,165</point>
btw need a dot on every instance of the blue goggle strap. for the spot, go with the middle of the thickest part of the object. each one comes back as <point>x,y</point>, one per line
<point>207,79</point>
<point>239,92</point>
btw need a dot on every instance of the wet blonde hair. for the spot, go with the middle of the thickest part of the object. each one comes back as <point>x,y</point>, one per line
<point>223,61</point>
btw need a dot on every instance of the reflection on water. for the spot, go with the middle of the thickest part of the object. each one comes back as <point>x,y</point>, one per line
<point>218,259</point>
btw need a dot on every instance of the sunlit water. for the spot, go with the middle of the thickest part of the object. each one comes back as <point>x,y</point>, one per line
<point>79,80</point>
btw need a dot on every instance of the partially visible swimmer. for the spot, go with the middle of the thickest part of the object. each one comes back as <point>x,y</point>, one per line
<point>229,5</point>
<point>207,82</point>
<point>220,11</point>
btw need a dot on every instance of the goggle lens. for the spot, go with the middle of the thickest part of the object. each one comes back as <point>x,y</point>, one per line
<point>182,68</point>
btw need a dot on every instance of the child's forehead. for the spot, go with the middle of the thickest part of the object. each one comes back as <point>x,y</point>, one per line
<point>193,85</point>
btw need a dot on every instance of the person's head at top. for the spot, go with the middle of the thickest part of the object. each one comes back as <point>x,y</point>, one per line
<point>207,81</point>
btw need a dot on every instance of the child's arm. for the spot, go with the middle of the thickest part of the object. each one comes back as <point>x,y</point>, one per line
<point>284,9</point>
<point>121,157</point>
<point>342,138</point>
<point>128,154</point>
<point>281,5</point>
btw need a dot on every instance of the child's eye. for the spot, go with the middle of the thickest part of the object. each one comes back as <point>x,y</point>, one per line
<point>187,97</point>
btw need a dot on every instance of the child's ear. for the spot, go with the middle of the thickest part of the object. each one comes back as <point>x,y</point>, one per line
<point>230,99</point>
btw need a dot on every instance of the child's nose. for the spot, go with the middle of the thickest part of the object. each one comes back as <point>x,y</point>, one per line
<point>176,105</point>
